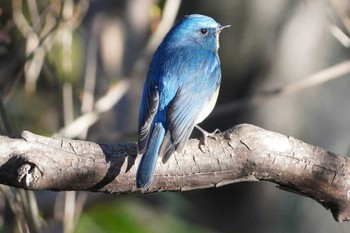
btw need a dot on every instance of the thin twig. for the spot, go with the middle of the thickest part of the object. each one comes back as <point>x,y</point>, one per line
<point>69,211</point>
<point>15,206</point>
<point>323,76</point>
<point>341,12</point>
<point>334,29</point>
<point>88,98</point>
<point>169,13</point>
<point>30,210</point>
<point>4,118</point>
<point>104,104</point>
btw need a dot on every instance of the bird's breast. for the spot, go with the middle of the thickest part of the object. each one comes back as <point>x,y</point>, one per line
<point>209,107</point>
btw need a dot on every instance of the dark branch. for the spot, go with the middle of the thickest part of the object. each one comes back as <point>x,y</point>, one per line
<point>243,153</point>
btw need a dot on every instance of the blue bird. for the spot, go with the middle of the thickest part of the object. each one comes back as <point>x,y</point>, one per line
<point>180,91</point>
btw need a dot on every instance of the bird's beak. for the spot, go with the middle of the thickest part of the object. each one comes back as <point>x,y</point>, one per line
<point>221,27</point>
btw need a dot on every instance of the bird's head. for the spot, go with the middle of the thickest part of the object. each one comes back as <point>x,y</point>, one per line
<point>198,31</point>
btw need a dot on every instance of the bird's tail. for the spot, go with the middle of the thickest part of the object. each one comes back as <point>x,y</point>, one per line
<point>149,159</point>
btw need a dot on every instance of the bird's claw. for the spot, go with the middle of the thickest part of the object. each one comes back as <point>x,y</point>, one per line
<point>206,134</point>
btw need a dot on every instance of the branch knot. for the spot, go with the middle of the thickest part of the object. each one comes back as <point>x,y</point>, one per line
<point>28,173</point>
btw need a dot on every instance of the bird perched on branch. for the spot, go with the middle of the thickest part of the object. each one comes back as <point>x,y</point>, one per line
<point>180,91</point>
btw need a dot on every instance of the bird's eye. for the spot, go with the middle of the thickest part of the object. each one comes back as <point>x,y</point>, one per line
<point>203,31</point>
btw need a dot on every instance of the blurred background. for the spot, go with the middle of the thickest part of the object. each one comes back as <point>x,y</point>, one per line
<point>76,69</point>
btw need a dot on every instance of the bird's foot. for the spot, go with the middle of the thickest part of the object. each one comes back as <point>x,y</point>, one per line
<point>206,134</point>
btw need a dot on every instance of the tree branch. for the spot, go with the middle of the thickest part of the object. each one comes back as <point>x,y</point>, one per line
<point>243,153</point>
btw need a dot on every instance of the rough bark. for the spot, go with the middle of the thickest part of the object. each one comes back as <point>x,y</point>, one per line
<point>243,153</point>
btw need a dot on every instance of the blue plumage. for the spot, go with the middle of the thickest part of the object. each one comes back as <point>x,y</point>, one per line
<point>182,83</point>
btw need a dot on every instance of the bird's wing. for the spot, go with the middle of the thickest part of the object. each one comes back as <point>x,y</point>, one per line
<point>148,109</point>
<point>202,80</point>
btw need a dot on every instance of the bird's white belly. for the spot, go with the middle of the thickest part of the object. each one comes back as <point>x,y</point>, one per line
<point>209,107</point>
